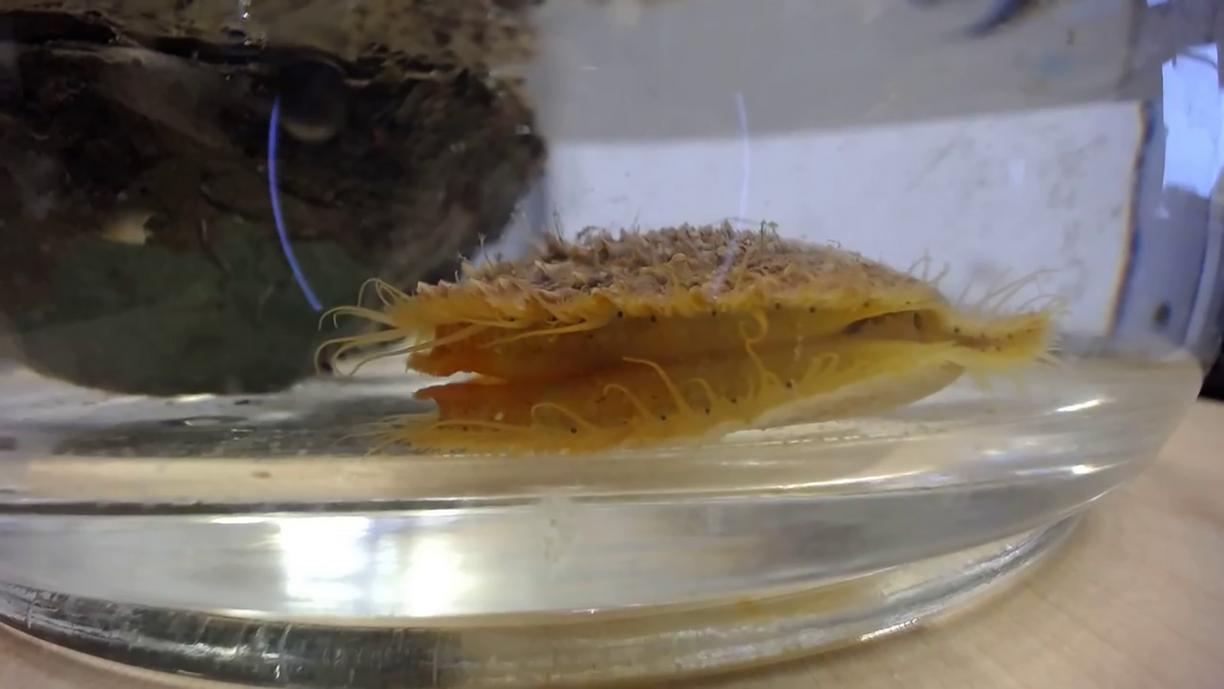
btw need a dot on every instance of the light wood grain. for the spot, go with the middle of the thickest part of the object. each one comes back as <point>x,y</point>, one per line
<point>1135,600</point>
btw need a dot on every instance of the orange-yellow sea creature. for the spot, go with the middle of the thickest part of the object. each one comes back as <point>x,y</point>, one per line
<point>679,333</point>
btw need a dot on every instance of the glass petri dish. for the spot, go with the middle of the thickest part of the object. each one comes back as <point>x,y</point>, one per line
<point>875,206</point>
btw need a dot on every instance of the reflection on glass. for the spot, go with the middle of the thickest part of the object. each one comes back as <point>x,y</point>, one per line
<point>320,556</point>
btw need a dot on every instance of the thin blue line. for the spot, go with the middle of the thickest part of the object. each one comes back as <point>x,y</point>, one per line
<point>745,152</point>
<point>1148,113</point>
<point>274,193</point>
<point>741,108</point>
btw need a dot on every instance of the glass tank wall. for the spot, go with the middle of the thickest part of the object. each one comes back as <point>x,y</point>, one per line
<point>494,343</point>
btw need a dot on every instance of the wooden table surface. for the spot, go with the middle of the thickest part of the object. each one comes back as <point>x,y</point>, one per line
<point>1136,599</point>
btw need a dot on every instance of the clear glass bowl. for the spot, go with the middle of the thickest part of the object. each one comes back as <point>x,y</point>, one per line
<point>187,186</point>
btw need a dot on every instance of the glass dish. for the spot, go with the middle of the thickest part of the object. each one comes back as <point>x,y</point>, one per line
<point>189,187</point>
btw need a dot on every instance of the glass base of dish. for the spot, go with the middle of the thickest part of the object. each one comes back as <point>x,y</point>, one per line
<point>643,644</point>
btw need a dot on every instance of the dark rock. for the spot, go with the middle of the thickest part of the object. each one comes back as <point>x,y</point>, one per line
<point>137,249</point>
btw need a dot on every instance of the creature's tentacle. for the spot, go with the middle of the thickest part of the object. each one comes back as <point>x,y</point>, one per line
<point>682,404</point>
<point>547,332</point>
<point>633,399</point>
<point>560,409</point>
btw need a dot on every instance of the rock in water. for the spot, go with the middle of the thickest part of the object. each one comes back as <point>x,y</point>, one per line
<point>403,144</point>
